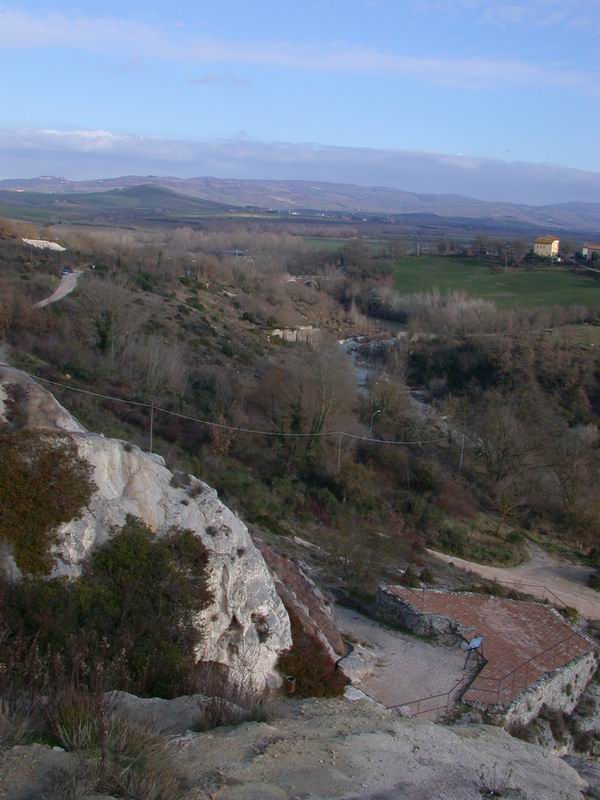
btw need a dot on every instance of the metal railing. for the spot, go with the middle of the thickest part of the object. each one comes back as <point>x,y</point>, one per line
<point>518,678</point>
<point>438,704</point>
<point>551,658</point>
<point>513,681</point>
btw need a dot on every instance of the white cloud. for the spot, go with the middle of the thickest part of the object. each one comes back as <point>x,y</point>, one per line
<point>580,14</point>
<point>19,30</point>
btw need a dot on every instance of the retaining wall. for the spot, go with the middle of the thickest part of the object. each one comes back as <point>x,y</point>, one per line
<point>398,612</point>
<point>559,690</point>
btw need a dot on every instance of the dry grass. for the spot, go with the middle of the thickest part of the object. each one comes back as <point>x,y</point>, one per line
<point>117,757</point>
<point>16,723</point>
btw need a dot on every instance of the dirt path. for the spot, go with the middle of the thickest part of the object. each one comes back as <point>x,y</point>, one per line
<point>65,287</point>
<point>395,668</point>
<point>568,581</point>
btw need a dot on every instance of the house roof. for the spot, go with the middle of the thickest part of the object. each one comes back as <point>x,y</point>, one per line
<point>546,239</point>
<point>592,245</point>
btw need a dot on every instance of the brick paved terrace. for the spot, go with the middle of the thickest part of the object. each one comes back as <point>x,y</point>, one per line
<point>523,640</point>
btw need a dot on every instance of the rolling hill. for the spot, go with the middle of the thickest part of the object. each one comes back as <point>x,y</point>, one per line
<point>146,201</point>
<point>160,197</point>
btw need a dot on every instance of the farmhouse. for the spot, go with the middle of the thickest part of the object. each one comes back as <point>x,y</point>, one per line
<point>546,246</point>
<point>591,250</point>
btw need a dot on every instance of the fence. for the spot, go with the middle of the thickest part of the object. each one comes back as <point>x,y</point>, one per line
<point>500,690</point>
<point>436,704</point>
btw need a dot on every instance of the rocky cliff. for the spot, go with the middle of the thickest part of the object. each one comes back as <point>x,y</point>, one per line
<point>246,626</point>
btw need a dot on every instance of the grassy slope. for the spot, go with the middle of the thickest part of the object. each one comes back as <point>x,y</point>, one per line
<point>552,286</point>
<point>136,201</point>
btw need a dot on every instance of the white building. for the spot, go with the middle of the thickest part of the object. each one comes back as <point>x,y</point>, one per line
<point>546,246</point>
<point>590,249</point>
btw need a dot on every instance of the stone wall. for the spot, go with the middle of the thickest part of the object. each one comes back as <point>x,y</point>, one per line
<point>559,690</point>
<point>305,333</point>
<point>398,612</point>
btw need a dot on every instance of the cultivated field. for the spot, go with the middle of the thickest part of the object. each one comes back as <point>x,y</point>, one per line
<point>541,287</point>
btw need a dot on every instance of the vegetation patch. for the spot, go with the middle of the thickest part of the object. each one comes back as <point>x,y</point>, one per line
<point>308,662</point>
<point>129,619</point>
<point>43,484</point>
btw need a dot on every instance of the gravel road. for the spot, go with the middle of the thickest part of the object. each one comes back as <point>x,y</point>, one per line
<point>65,287</point>
<point>568,581</point>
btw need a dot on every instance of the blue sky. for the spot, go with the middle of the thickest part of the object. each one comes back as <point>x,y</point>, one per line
<point>516,80</point>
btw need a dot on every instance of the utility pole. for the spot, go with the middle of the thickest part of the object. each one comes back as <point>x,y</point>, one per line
<point>372,417</point>
<point>151,425</point>
<point>339,451</point>
<point>462,453</point>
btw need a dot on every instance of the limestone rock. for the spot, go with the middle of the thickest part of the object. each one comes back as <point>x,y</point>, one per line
<point>589,771</point>
<point>246,626</point>
<point>174,717</point>
<point>327,749</point>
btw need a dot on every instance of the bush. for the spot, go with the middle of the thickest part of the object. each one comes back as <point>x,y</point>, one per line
<point>594,581</point>
<point>570,613</point>
<point>131,615</point>
<point>118,757</point>
<point>43,484</point>
<point>310,664</point>
<point>452,539</point>
<point>409,578</point>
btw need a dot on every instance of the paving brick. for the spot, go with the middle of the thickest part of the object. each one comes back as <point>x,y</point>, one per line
<point>522,640</point>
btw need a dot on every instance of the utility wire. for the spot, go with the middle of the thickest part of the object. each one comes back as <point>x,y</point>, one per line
<point>234,428</point>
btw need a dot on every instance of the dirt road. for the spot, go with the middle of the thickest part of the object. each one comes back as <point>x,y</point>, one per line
<point>568,581</point>
<point>65,287</point>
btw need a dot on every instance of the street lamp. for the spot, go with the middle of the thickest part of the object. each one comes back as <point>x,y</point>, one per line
<point>372,418</point>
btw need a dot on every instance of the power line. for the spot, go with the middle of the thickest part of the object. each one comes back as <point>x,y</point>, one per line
<point>154,409</point>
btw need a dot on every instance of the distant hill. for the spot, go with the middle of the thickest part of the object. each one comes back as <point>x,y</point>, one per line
<point>146,201</point>
<point>176,196</point>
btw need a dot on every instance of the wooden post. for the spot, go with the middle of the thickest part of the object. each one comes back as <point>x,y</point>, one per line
<point>339,461</point>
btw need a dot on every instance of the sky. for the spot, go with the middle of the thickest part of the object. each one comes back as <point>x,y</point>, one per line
<point>337,89</point>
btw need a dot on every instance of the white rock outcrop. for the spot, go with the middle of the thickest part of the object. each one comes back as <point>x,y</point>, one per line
<point>246,625</point>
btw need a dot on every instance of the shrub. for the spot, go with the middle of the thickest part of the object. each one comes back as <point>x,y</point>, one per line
<point>409,578</point>
<point>570,613</point>
<point>594,581</point>
<point>16,723</point>
<point>131,614</point>
<point>310,664</point>
<point>43,484</point>
<point>559,723</point>
<point>118,757</point>
<point>426,576</point>
<point>424,477</point>
<point>452,539</point>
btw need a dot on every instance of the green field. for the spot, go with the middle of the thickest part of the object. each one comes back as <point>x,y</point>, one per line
<point>515,288</point>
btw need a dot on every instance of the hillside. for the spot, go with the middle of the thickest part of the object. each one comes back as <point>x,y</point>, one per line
<point>143,202</point>
<point>287,195</point>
